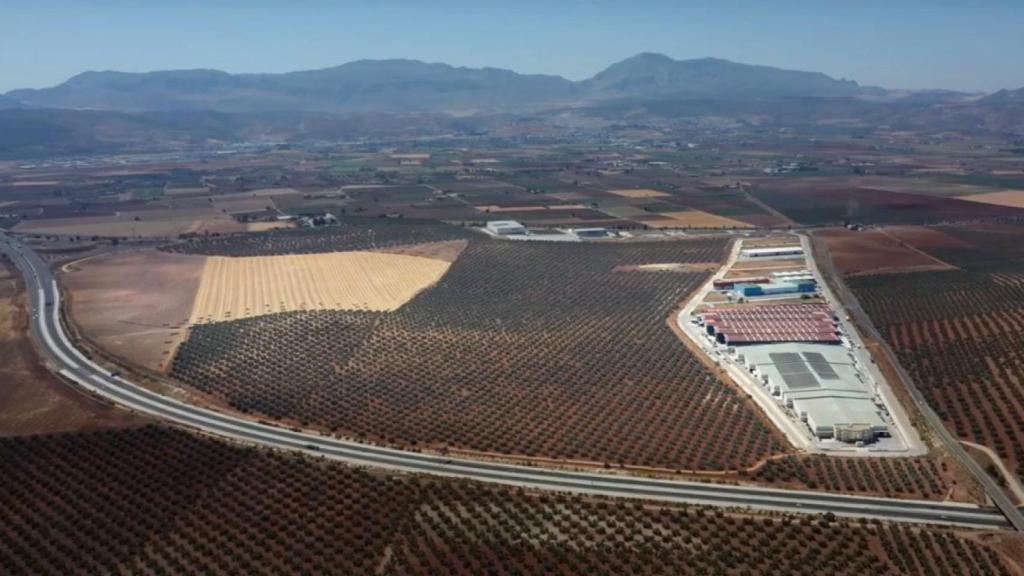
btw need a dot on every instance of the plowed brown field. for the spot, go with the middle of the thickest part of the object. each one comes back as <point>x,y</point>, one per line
<point>878,251</point>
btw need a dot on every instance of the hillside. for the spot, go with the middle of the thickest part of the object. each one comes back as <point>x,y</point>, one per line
<point>654,75</point>
<point>414,86</point>
<point>366,85</point>
<point>1005,97</point>
<point>6,103</point>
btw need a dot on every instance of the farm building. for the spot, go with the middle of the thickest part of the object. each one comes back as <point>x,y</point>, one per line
<point>775,288</point>
<point>770,252</point>
<point>728,283</point>
<point>505,227</point>
<point>763,324</point>
<point>822,384</point>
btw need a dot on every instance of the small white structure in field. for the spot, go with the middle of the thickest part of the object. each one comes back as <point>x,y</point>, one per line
<point>505,227</point>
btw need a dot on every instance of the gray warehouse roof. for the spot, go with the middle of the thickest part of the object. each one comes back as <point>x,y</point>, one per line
<point>819,379</point>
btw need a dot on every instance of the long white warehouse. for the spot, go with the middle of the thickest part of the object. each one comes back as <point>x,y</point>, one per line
<point>822,384</point>
<point>773,251</point>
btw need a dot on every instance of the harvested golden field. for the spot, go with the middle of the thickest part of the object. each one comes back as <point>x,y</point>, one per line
<point>638,193</point>
<point>694,219</point>
<point>233,288</point>
<point>537,208</point>
<point>1012,198</point>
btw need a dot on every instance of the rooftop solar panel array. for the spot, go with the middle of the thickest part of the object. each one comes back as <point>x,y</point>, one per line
<point>821,366</point>
<point>794,370</point>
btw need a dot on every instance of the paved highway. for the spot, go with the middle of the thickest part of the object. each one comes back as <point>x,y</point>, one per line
<point>75,366</point>
<point>852,305</point>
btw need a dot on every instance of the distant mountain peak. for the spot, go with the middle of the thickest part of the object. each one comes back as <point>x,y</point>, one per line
<point>656,75</point>
<point>1005,96</point>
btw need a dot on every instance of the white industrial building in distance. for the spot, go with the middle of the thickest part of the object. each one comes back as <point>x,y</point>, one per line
<point>822,385</point>
<point>505,228</point>
<point>770,252</point>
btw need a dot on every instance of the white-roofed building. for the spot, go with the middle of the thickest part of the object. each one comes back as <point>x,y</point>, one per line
<point>770,252</point>
<point>505,227</point>
<point>822,384</point>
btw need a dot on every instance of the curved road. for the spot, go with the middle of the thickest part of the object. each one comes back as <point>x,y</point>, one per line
<point>72,364</point>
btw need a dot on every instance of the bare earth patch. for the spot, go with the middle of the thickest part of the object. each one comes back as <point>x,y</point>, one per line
<point>134,305</point>
<point>150,223</point>
<point>769,264</point>
<point>33,400</point>
<point>447,251</point>
<point>926,239</point>
<point>233,288</point>
<point>671,267</point>
<point>265,226</point>
<point>876,251</point>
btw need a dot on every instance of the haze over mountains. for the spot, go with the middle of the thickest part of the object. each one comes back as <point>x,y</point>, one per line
<point>98,112</point>
<point>410,85</point>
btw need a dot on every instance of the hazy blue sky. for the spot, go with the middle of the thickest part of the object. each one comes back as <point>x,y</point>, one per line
<point>966,44</point>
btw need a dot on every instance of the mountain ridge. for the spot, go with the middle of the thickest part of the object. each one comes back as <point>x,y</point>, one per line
<point>415,86</point>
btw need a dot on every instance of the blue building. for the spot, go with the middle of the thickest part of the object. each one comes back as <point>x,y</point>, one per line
<point>775,288</point>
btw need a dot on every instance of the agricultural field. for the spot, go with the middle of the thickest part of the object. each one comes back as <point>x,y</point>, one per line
<point>818,201</point>
<point>692,219</point>
<point>351,234</point>
<point>139,318</point>
<point>879,251</point>
<point>142,223</point>
<point>233,288</point>
<point>497,358</point>
<point>960,332</point>
<point>918,478</point>
<point>156,500</point>
<point>1012,198</point>
<point>639,193</point>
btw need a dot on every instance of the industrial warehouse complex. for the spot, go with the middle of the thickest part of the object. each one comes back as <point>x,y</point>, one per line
<point>821,383</point>
<point>766,319</point>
